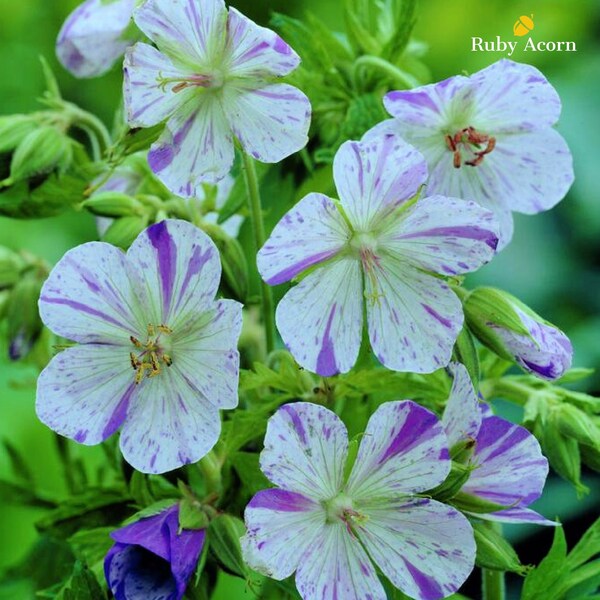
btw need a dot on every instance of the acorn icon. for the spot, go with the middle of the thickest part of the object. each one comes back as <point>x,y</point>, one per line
<point>523,25</point>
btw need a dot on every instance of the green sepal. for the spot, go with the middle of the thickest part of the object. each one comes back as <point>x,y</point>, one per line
<point>474,504</point>
<point>122,232</point>
<point>494,552</point>
<point>192,514</point>
<point>14,129</point>
<point>353,446</point>
<point>11,265</point>
<point>113,204</point>
<point>466,353</point>
<point>574,423</point>
<point>458,476</point>
<point>24,324</point>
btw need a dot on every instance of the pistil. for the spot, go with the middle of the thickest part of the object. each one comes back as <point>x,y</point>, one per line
<point>152,356</point>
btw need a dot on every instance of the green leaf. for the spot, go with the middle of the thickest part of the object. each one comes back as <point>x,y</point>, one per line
<point>82,585</point>
<point>224,535</point>
<point>191,515</point>
<point>403,15</point>
<point>246,465</point>
<point>91,545</point>
<point>587,547</point>
<point>18,495</point>
<point>19,466</point>
<point>542,581</point>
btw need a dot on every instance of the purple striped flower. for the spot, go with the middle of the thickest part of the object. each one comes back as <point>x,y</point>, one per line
<point>94,36</point>
<point>213,80</point>
<point>510,469</point>
<point>331,529</point>
<point>156,353</point>
<point>151,559</point>
<point>489,138</point>
<point>379,244</point>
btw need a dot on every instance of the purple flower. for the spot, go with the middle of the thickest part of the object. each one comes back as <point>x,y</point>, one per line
<point>489,138</point>
<point>380,244</point>
<point>94,36</point>
<point>157,353</point>
<point>151,560</point>
<point>330,529</point>
<point>510,469</point>
<point>212,79</point>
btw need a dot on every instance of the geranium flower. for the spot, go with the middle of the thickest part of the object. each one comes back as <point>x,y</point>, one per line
<point>509,468</point>
<point>489,138</point>
<point>212,79</point>
<point>330,529</point>
<point>152,559</point>
<point>157,353</point>
<point>375,244</point>
<point>94,36</point>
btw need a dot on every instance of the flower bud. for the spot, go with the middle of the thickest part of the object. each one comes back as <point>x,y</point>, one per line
<point>113,204</point>
<point>22,316</point>
<point>10,267</point>
<point>94,36</point>
<point>576,424</point>
<point>122,232</point>
<point>515,332</point>
<point>494,552</point>
<point>458,476</point>
<point>13,130</point>
<point>590,456</point>
<point>40,152</point>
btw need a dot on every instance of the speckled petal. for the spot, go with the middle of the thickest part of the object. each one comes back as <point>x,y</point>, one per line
<point>92,38</point>
<point>403,450</point>
<point>443,235</point>
<point>518,514</point>
<point>176,270</point>
<point>88,296</point>
<point>375,176</point>
<point>195,147</point>
<point>414,318</point>
<point>311,232</point>
<point>185,30</point>
<point>511,469</point>
<point>167,425</point>
<point>337,567</point>
<point>305,450</point>
<point>148,100</point>
<point>320,319</point>
<point>533,170</point>
<point>85,392</point>
<point>423,547</point>
<point>281,526</point>
<point>256,51</point>
<point>462,416</point>
<point>206,356</point>
<point>510,96</point>
<point>270,122</point>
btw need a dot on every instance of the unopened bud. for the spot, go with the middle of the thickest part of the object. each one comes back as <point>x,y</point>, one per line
<point>42,151</point>
<point>466,353</point>
<point>224,535</point>
<point>458,476</point>
<point>590,456</point>
<point>494,552</point>
<point>576,424</point>
<point>122,232</point>
<point>192,515</point>
<point>22,316</point>
<point>10,267</point>
<point>514,332</point>
<point>13,130</point>
<point>113,204</point>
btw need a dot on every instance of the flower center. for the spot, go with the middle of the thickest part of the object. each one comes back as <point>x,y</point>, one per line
<point>213,80</point>
<point>469,146</point>
<point>151,354</point>
<point>341,508</point>
<point>364,245</point>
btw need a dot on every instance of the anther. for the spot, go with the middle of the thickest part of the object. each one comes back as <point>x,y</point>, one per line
<point>136,342</point>
<point>165,329</point>
<point>135,363</point>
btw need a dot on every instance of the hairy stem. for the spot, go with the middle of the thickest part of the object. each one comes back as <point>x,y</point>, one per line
<point>258,228</point>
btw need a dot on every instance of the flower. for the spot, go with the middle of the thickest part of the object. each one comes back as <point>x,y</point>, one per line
<point>514,331</point>
<point>330,529</point>
<point>380,243</point>
<point>157,353</point>
<point>489,138</point>
<point>212,79</point>
<point>151,559</point>
<point>509,468</point>
<point>94,36</point>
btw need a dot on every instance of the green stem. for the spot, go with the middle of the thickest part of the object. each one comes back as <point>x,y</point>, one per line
<point>493,585</point>
<point>506,388</point>
<point>406,80</point>
<point>258,228</point>
<point>87,121</point>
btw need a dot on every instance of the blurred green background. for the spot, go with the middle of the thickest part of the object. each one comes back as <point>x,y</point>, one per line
<point>552,264</point>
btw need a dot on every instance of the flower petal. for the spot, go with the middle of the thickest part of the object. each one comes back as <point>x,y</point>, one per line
<point>375,176</point>
<point>533,171</point>
<point>185,29</point>
<point>404,449</point>
<point>88,296</point>
<point>518,514</point>
<point>313,231</point>
<point>195,147</point>
<point>281,526</point>
<point>510,466</point>
<point>177,271</point>
<point>414,318</point>
<point>168,425</point>
<point>206,354</point>
<point>270,122</point>
<point>86,391</point>
<point>335,567</point>
<point>513,96</point>
<point>305,450</point>
<point>148,100</point>
<point>462,416</point>
<point>444,235</point>
<point>423,547</point>
<point>255,50</point>
<point>320,319</point>
<point>91,39</point>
